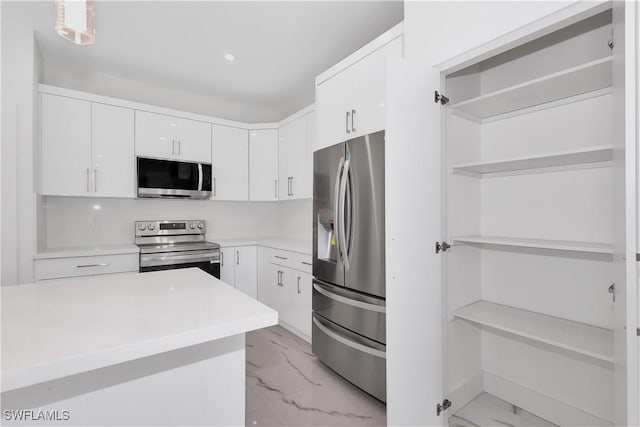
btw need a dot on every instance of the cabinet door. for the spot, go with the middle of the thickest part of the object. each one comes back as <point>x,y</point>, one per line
<point>66,146</point>
<point>270,290</point>
<point>302,302</point>
<point>230,159</point>
<point>370,90</point>
<point>292,155</point>
<point>285,298</point>
<point>113,158</point>
<point>246,270</point>
<point>263,165</point>
<point>193,141</point>
<point>307,191</point>
<point>156,135</point>
<point>228,266</point>
<point>333,100</point>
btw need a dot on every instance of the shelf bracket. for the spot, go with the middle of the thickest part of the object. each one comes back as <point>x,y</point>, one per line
<point>444,246</point>
<point>441,407</point>
<point>438,97</point>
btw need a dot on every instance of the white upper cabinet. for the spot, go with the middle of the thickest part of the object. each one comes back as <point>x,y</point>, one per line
<point>193,141</point>
<point>156,135</point>
<point>230,160</point>
<point>353,102</point>
<point>66,146</point>
<point>168,137</point>
<point>87,148</point>
<point>292,161</point>
<point>312,141</point>
<point>263,165</point>
<point>113,161</point>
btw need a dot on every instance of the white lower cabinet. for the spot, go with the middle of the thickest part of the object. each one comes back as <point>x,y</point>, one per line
<point>284,284</point>
<point>58,268</point>
<point>238,268</point>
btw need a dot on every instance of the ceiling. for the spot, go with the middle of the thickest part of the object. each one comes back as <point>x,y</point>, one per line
<point>279,46</point>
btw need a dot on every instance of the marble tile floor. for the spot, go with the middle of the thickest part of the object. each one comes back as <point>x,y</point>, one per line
<point>287,386</point>
<point>487,410</point>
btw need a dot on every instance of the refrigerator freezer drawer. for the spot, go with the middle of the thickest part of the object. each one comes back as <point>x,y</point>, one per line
<point>359,313</point>
<point>357,359</point>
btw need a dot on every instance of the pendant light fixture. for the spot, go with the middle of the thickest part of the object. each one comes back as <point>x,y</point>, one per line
<point>75,20</point>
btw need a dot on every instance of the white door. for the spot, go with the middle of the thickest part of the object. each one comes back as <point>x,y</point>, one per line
<point>66,146</point>
<point>193,141</point>
<point>308,163</point>
<point>228,266</point>
<point>113,158</point>
<point>370,90</point>
<point>246,259</point>
<point>303,302</point>
<point>230,160</point>
<point>156,135</point>
<point>263,165</point>
<point>292,155</point>
<point>334,99</point>
<point>413,270</point>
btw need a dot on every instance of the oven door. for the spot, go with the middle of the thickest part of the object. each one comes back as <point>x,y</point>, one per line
<point>169,178</point>
<point>208,261</point>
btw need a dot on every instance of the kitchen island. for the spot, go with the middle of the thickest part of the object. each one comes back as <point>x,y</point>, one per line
<point>160,348</point>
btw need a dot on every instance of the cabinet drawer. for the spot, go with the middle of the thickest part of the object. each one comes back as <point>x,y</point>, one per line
<point>294,260</point>
<point>57,268</point>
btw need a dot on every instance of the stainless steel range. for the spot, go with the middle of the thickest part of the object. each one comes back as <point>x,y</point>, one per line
<point>169,245</point>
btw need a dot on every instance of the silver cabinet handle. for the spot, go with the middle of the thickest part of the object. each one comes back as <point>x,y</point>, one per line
<point>214,187</point>
<point>173,146</point>
<point>305,263</point>
<point>347,122</point>
<point>353,119</point>
<point>88,184</point>
<point>279,278</point>
<point>95,180</point>
<point>280,257</point>
<point>180,147</point>
<point>237,257</point>
<point>92,265</point>
<point>299,283</point>
<point>275,189</point>
<point>221,259</point>
<point>292,185</point>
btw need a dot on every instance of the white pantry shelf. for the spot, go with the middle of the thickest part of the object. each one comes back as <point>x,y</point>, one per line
<point>589,77</point>
<point>558,245</point>
<point>578,337</point>
<point>559,159</point>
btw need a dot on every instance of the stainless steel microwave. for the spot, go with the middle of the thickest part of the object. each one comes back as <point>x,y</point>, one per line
<point>173,179</point>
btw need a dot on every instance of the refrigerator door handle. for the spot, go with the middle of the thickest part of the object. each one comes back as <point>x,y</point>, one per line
<point>342,238</point>
<point>336,207</point>
<point>348,301</point>
<point>346,341</point>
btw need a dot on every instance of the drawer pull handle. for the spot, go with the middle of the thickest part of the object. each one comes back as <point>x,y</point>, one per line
<point>306,263</point>
<point>92,265</point>
<point>280,257</point>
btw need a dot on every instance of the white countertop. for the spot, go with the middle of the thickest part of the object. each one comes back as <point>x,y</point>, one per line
<point>69,326</point>
<point>77,251</point>
<point>293,245</point>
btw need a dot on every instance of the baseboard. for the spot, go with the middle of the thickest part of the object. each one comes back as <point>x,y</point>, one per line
<point>466,392</point>
<point>295,331</point>
<point>540,404</point>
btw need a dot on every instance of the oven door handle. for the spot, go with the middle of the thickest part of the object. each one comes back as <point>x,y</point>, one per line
<point>151,260</point>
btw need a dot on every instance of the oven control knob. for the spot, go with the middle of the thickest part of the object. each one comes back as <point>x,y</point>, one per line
<point>141,227</point>
<point>151,226</point>
<point>192,225</point>
<point>200,225</point>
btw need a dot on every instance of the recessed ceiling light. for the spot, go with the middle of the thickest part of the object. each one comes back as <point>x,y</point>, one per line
<point>229,57</point>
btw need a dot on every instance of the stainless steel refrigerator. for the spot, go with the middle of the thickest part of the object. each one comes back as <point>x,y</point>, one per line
<point>348,333</point>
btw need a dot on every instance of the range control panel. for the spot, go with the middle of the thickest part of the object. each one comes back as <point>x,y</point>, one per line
<point>170,228</point>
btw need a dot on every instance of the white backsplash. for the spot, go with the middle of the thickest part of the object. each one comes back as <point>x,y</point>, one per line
<point>79,221</point>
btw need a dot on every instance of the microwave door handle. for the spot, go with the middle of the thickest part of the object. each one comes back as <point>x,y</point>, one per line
<point>199,176</point>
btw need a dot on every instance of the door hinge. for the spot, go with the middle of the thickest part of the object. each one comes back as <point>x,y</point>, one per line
<point>440,407</point>
<point>612,291</point>
<point>444,246</point>
<point>437,97</point>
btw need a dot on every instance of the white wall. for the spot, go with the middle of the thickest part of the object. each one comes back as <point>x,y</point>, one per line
<point>294,219</point>
<point>436,31</point>
<point>82,221</point>
<point>21,68</point>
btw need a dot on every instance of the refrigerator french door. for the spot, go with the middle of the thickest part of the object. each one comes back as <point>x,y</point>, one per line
<point>348,333</point>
